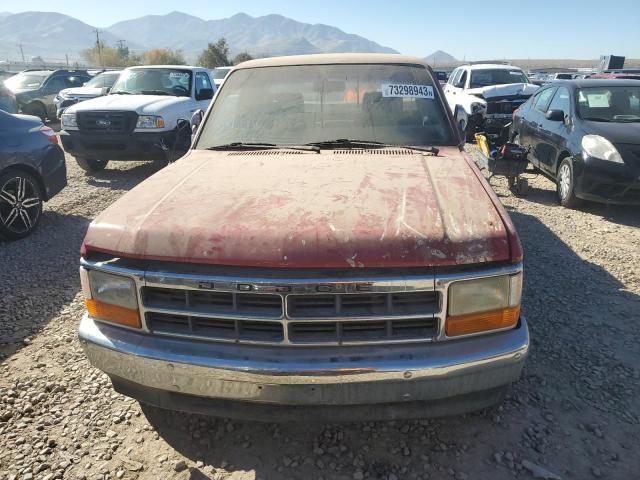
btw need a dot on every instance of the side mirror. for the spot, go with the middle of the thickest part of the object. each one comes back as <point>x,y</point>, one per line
<point>461,119</point>
<point>555,115</point>
<point>205,94</point>
<point>196,120</point>
<point>106,90</point>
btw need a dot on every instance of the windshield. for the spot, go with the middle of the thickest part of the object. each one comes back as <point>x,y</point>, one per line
<point>103,80</point>
<point>297,105</point>
<point>26,81</point>
<point>609,104</point>
<point>220,73</point>
<point>498,76</point>
<point>154,81</point>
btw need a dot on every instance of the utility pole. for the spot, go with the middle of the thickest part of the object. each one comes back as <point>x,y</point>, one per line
<point>66,56</point>
<point>21,52</point>
<point>97,32</point>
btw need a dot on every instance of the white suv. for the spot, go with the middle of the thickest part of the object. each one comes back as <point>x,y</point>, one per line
<point>146,116</point>
<point>488,94</point>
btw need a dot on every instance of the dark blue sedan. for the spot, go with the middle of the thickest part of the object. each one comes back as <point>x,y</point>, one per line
<point>585,136</point>
<point>32,170</point>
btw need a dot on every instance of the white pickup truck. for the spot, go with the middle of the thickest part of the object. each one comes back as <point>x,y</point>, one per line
<point>488,94</point>
<point>146,116</point>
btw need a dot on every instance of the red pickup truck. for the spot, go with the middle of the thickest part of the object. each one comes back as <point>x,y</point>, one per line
<point>326,249</point>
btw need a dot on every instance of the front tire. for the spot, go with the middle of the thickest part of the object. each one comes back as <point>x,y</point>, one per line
<point>20,204</point>
<point>91,165</point>
<point>565,185</point>
<point>182,142</point>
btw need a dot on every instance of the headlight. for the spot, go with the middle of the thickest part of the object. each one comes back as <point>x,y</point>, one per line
<point>483,304</point>
<point>69,120</point>
<point>150,121</point>
<point>477,107</point>
<point>599,147</point>
<point>110,297</point>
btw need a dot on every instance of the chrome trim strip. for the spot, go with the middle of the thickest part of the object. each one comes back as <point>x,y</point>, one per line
<point>299,286</point>
<point>226,316</point>
<point>297,344</point>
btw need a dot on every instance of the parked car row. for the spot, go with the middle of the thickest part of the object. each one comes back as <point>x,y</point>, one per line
<point>238,266</point>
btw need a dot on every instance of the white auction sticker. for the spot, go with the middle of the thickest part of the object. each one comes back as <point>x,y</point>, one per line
<point>403,90</point>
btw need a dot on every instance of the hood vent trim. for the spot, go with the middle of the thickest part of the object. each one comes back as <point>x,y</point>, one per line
<point>274,151</point>
<point>374,151</point>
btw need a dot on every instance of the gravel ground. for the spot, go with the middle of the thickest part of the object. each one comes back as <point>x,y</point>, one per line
<point>574,414</point>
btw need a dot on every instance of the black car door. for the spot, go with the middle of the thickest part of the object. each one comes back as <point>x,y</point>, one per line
<point>535,119</point>
<point>553,134</point>
<point>522,122</point>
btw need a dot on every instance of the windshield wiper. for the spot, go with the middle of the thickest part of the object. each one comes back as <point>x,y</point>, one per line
<point>597,119</point>
<point>627,120</point>
<point>120,92</point>
<point>156,92</point>
<point>263,146</point>
<point>348,143</point>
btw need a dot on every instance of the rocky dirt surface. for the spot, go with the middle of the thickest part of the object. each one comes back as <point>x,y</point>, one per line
<point>574,414</point>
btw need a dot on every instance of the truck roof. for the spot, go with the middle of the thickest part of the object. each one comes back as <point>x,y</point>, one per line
<point>332,58</point>
<point>492,66</point>
<point>183,67</point>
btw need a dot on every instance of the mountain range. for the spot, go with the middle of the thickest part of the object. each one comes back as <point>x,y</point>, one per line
<point>441,58</point>
<point>53,35</point>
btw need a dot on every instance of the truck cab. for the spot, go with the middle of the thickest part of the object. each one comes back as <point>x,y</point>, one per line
<point>146,116</point>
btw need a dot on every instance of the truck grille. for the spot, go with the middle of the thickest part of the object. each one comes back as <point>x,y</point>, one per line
<point>504,106</point>
<point>292,318</point>
<point>107,122</point>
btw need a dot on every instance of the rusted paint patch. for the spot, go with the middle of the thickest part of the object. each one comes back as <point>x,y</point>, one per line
<point>308,210</point>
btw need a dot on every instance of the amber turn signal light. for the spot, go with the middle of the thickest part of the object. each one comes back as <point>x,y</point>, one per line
<point>482,322</point>
<point>113,313</point>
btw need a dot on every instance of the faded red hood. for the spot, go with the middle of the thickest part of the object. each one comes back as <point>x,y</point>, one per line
<point>304,210</point>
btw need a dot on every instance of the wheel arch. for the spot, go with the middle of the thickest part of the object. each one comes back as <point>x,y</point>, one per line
<point>561,156</point>
<point>37,103</point>
<point>31,171</point>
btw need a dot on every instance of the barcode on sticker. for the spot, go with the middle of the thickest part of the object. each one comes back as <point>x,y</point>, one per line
<point>403,90</point>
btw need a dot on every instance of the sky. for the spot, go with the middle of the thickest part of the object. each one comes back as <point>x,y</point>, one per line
<point>466,29</point>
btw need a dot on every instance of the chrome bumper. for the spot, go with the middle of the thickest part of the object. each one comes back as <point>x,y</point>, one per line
<point>307,376</point>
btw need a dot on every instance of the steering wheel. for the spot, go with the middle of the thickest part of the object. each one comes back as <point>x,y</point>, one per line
<point>180,90</point>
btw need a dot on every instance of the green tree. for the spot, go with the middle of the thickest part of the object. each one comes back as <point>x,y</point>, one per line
<point>163,56</point>
<point>242,57</point>
<point>105,56</point>
<point>215,55</point>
